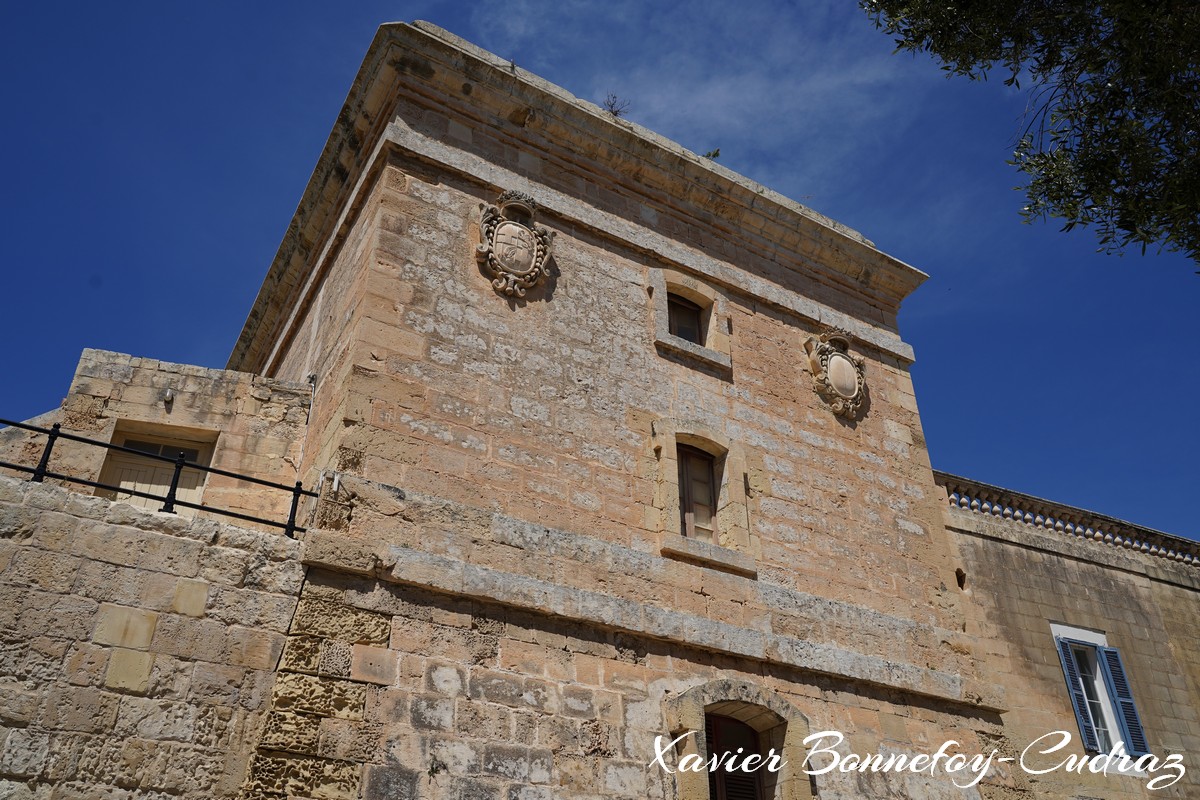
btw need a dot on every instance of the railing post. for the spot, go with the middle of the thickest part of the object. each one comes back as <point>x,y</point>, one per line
<point>290,530</point>
<point>169,505</point>
<point>39,474</point>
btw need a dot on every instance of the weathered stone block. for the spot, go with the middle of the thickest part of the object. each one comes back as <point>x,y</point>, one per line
<point>52,572</point>
<point>301,654</point>
<point>216,684</point>
<point>25,753</point>
<point>454,754</point>
<point>125,627</point>
<point>386,705</point>
<point>433,713</point>
<point>276,577</point>
<point>85,664</point>
<point>156,720</point>
<point>335,659</point>
<point>390,783</point>
<point>224,566</point>
<point>446,679</point>
<point>291,733</point>
<point>578,701</point>
<point>129,670</point>
<point>79,708</point>
<point>530,793</point>
<point>337,621</point>
<point>201,639</point>
<point>250,607</point>
<point>472,789</point>
<point>324,697</point>
<point>340,553</point>
<point>506,761</point>
<point>497,687</point>
<point>171,555</point>
<point>18,703</point>
<point>283,776</point>
<point>349,740</point>
<point>483,720</point>
<point>190,597</point>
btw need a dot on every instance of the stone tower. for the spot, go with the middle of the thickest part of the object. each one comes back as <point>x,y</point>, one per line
<point>618,464</point>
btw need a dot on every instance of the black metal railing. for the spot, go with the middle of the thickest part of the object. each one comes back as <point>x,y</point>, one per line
<point>169,500</point>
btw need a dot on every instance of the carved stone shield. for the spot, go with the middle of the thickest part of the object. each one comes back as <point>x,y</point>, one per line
<point>843,377</point>
<point>513,250</point>
<point>838,376</point>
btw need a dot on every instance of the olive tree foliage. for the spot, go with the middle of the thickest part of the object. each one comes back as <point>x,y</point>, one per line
<point>1111,137</point>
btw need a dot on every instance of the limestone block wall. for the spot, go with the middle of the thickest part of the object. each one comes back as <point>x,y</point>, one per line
<point>256,425</point>
<point>435,661</point>
<point>548,409</point>
<point>1022,578</point>
<point>137,650</point>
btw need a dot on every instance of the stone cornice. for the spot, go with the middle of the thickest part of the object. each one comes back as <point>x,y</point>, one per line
<point>452,576</point>
<point>998,513</point>
<point>409,59</point>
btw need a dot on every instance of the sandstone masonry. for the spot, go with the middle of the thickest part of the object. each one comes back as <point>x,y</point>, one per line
<point>495,598</point>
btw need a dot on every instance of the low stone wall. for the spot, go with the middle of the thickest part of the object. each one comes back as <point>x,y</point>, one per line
<point>254,425</point>
<point>137,650</point>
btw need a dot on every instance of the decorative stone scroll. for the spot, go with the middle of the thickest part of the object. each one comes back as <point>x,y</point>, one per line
<point>838,376</point>
<point>513,250</point>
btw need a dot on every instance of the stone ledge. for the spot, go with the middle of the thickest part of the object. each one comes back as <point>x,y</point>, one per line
<point>444,575</point>
<point>709,555</point>
<point>669,345</point>
<point>450,576</point>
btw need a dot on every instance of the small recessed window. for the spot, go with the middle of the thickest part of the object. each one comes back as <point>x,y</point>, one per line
<point>685,319</point>
<point>697,494</point>
<point>152,476</point>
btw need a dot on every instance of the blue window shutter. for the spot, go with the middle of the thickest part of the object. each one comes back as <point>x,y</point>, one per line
<point>1078,699</point>
<point>1132,732</point>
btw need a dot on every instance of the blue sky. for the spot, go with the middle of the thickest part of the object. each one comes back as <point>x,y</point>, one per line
<point>156,152</point>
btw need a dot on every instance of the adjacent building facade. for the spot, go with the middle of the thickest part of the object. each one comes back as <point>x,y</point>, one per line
<point>618,462</point>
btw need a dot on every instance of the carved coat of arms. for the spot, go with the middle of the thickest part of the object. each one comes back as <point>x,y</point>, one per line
<point>838,376</point>
<point>513,250</point>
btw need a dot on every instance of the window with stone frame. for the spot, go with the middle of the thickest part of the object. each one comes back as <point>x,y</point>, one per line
<point>132,471</point>
<point>727,714</point>
<point>691,321</point>
<point>699,485</point>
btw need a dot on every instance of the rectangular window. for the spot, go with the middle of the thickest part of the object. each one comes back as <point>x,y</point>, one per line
<point>697,494</point>
<point>685,319</point>
<point>152,476</point>
<point>1100,695</point>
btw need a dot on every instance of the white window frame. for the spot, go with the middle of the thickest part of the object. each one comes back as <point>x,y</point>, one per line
<point>1109,686</point>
